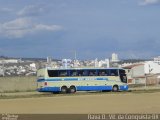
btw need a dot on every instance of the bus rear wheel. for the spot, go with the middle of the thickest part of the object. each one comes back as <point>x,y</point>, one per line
<point>115,88</point>
<point>64,90</point>
<point>72,89</point>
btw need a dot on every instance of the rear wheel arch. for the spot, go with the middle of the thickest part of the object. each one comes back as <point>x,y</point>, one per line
<point>72,89</point>
<point>64,89</point>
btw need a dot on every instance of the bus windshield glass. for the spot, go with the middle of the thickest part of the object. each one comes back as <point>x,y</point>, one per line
<point>123,76</point>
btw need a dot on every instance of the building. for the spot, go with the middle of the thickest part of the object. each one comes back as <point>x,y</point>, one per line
<point>157,60</point>
<point>66,63</point>
<point>104,63</point>
<point>9,61</point>
<point>96,63</point>
<point>114,57</point>
<point>143,73</point>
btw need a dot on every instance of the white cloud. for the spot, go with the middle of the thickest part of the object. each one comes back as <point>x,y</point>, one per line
<point>149,2</point>
<point>21,27</point>
<point>6,9</point>
<point>46,27</point>
<point>32,10</point>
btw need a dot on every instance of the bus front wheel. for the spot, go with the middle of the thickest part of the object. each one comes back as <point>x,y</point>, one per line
<point>64,89</point>
<point>115,88</point>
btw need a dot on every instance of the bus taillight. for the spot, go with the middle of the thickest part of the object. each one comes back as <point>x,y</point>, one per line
<point>45,83</point>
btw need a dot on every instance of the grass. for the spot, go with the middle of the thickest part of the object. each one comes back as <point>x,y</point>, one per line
<point>4,96</point>
<point>16,91</point>
<point>146,91</point>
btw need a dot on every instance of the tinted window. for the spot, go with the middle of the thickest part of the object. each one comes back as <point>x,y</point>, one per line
<point>123,76</point>
<point>81,72</point>
<point>91,72</point>
<point>113,72</point>
<point>63,73</point>
<point>53,73</point>
<point>73,73</point>
<point>100,72</point>
<point>103,72</point>
<point>122,72</point>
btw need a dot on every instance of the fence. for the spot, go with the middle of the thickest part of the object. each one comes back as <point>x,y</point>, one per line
<point>28,83</point>
<point>18,83</point>
<point>150,81</point>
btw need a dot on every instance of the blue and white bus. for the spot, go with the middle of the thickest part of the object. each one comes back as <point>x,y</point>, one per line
<point>81,79</point>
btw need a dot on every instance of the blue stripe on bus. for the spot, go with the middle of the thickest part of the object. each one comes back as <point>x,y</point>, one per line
<point>101,78</point>
<point>94,88</point>
<point>49,89</point>
<point>83,88</point>
<point>40,80</point>
<point>72,79</point>
<point>66,79</point>
<point>57,79</point>
<point>43,80</point>
<point>69,79</point>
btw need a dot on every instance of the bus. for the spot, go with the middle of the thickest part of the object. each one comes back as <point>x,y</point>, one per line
<point>81,79</point>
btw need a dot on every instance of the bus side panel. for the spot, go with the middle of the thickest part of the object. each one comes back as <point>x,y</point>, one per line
<point>82,84</point>
<point>49,89</point>
<point>93,88</point>
<point>47,86</point>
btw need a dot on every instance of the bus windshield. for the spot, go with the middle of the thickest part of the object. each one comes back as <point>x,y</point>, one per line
<point>123,76</point>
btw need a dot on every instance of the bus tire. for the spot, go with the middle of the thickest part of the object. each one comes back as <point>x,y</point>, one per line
<point>72,89</point>
<point>115,88</point>
<point>64,89</point>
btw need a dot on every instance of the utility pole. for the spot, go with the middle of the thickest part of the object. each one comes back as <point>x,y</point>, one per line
<point>3,67</point>
<point>75,55</point>
<point>145,80</point>
<point>75,58</point>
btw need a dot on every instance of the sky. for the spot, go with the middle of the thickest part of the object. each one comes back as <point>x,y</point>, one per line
<point>90,28</point>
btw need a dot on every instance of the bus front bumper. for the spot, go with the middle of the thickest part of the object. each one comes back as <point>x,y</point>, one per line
<point>123,88</point>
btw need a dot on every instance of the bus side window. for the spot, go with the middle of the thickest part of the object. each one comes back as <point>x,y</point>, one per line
<point>102,73</point>
<point>114,72</point>
<point>81,73</point>
<point>63,73</point>
<point>73,73</point>
<point>92,73</point>
<point>53,73</point>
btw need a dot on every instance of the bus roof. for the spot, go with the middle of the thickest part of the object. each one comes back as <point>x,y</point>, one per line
<point>80,68</point>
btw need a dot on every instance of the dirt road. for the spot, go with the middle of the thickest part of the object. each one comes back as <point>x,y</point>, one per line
<point>96,103</point>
